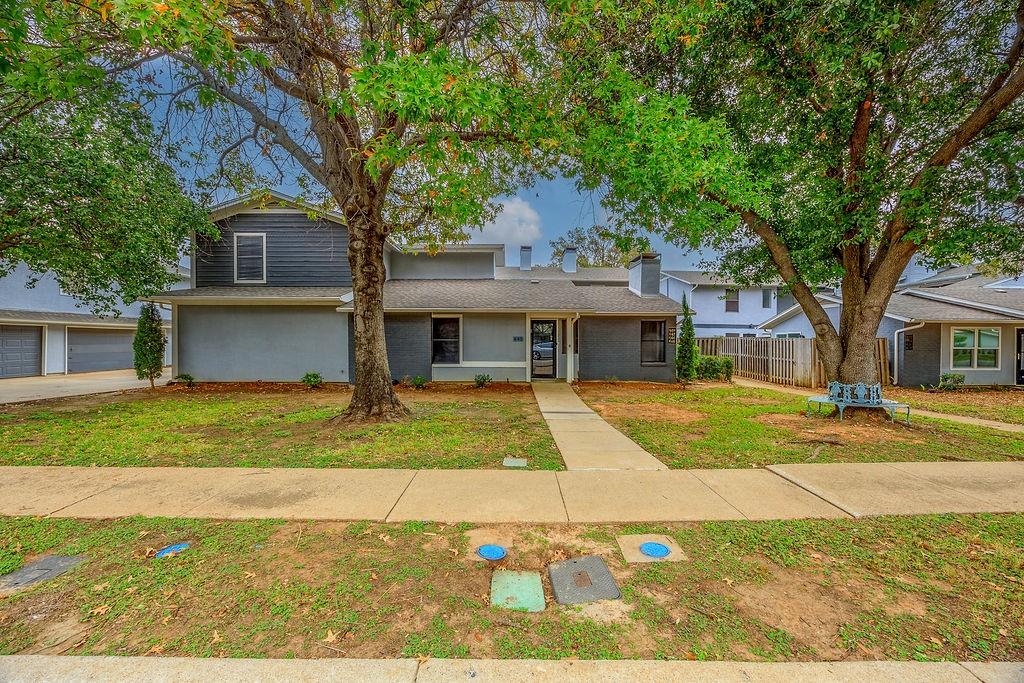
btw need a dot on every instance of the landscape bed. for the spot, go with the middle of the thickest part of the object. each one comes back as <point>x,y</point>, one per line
<point>721,426</point>
<point>932,587</point>
<point>255,425</point>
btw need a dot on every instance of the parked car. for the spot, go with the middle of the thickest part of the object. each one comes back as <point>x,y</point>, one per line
<point>543,350</point>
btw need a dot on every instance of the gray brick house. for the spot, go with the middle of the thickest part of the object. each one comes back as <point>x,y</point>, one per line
<point>271,299</point>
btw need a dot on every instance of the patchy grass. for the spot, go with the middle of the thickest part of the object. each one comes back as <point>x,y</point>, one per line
<point>931,587</point>
<point>716,426</point>
<point>451,427</point>
<point>1001,404</point>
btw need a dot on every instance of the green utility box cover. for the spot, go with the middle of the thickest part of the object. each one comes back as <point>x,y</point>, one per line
<point>517,590</point>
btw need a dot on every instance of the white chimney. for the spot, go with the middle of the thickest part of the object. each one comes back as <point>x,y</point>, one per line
<point>525,258</point>
<point>569,260</point>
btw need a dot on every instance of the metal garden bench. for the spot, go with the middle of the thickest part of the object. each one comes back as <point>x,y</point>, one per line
<point>858,395</point>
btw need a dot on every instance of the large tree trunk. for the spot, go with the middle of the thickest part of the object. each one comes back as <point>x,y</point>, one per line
<point>374,396</point>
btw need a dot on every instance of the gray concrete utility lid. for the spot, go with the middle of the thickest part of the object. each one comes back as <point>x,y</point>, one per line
<point>43,569</point>
<point>583,579</point>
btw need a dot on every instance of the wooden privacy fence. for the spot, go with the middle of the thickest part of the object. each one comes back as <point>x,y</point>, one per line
<point>783,361</point>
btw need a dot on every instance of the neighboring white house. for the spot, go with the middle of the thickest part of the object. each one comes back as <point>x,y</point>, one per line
<point>44,331</point>
<point>958,320</point>
<point>722,308</point>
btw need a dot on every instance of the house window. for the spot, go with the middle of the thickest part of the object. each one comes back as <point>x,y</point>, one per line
<point>766,298</point>
<point>975,348</point>
<point>250,258</point>
<point>732,300</point>
<point>652,341</point>
<point>447,341</point>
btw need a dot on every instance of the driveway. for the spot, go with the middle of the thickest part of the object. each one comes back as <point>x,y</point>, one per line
<point>20,389</point>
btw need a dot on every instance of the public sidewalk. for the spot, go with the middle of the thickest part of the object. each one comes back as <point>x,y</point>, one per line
<point>495,496</point>
<point>584,439</point>
<point>962,419</point>
<point>37,669</point>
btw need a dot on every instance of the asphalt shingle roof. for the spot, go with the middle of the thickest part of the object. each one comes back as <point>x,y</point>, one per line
<point>17,315</point>
<point>552,273</point>
<point>325,293</point>
<point>702,278</point>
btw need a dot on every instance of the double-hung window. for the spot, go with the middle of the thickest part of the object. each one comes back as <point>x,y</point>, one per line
<point>446,345</point>
<point>652,341</point>
<point>766,298</point>
<point>251,258</point>
<point>975,348</point>
<point>732,300</point>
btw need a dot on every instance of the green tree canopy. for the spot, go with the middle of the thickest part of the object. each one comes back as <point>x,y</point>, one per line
<point>595,247</point>
<point>828,142</point>
<point>85,195</point>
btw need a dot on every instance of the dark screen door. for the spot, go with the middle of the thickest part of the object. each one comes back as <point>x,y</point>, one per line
<point>542,348</point>
<point>1020,356</point>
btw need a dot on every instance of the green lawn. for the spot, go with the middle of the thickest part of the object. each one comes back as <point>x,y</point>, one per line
<point>1004,405</point>
<point>729,426</point>
<point>932,587</point>
<point>450,428</point>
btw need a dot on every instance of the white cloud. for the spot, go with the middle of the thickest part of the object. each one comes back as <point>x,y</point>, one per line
<point>518,224</point>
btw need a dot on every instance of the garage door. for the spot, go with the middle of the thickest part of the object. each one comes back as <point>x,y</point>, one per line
<point>90,350</point>
<point>21,350</point>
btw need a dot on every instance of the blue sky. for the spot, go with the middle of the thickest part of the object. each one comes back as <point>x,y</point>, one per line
<point>549,209</point>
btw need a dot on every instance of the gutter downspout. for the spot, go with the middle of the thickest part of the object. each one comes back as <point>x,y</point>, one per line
<point>573,351</point>
<point>896,351</point>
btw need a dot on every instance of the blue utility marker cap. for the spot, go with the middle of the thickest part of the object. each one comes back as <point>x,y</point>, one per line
<point>171,550</point>
<point>491,552</point>
<point>652,549</point>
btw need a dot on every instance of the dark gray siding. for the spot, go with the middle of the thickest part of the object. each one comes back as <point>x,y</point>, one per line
<point>408,340</point>
<point>921,365</point>
<point>92,350</point>
<point>270,343</point>
<point>610,347</point>
<point>300,252</point>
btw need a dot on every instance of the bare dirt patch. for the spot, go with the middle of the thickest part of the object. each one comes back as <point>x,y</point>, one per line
<point>647,411</point>
<point>839,433</point>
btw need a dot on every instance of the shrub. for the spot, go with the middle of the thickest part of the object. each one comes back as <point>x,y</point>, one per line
<point>482,381</point>
<point>419,382</point>
<point>312,380</point>
<point>186,379</point>
<point>148,344</point>
<point>406,381</point>
<point>714,368</point>
<point>951,381</point>
<point>687,352</point>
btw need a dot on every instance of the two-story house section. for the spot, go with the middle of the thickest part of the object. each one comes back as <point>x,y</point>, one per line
<point>722,308</point>
<point>45,331</point>
<point>272,299</point>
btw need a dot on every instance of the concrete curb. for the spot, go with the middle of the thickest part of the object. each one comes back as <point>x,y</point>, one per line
<point>44,669</point>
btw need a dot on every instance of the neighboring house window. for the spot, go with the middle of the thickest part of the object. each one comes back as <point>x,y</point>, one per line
<point>766,298</point>
<point>732,301</point>
<point>652,341</point>
<point>976,347</point>
<point>250,257</point>
<point>447,344</point>
<point>732,334</point>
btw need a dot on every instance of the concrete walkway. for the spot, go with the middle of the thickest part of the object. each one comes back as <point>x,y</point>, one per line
<point>19,389</point>
<point>497,496</point>
<point>962,419</point>
<point>44,669</point>
<point>584,439</point>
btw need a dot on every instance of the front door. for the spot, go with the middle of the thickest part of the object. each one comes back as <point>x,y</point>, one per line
<point>542,349</point>
<point>1020,356</point>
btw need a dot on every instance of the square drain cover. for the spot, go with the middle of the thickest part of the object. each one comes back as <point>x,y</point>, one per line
<point>584,579</point>
<point>45,568</point>
<point>517,590</point>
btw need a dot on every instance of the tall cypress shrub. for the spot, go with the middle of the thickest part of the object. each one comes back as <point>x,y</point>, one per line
<point>686,347</point>
<point>149,344</point>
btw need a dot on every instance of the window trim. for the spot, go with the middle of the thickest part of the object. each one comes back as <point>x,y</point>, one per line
<point>664,342</point>
<point>974,349</point>
<point>263,237</point>
<point>766,293</point>
<point>727,300</point>
<point>434,316</point>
